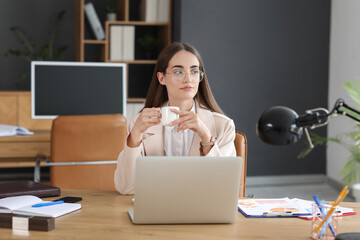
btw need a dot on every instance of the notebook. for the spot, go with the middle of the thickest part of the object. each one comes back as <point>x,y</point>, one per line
<point>18,188</point>
<point>23,205</point>
<point>11,130</point>
<point>186,190</point>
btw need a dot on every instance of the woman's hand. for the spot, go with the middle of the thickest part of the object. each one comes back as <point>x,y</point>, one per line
<point>190,120</point>
<point>148,117</point>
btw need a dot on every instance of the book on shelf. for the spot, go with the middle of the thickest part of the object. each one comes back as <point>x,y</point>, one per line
<point>12,130</point>
<point>116,44</point>
<point>122,42</point>
<point>129,43</point>
<point>23,205</point>
<point>94,21</point>
<point>154,10</point>
<point>148,10</point>
<point>163,11</point>
<point>18,188</point>
<point>21,222</point>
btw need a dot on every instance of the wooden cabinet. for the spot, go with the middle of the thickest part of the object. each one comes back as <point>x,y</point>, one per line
<point>15,109</point>
<point>139,70</point>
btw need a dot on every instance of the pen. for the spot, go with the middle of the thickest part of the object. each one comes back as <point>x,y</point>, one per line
<point>274,214</point>
<point>338,200</point>
<point>48,203</point>
<point>323,214</point>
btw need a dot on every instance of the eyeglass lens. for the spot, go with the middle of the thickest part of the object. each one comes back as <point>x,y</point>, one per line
<point>195,75</point>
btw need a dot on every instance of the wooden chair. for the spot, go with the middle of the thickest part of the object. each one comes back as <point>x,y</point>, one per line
<point>84,150</point>
<point>241,150</point>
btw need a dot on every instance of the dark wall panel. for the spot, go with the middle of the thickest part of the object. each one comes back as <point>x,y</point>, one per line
<point>261,53</point>
<point>34,17</point>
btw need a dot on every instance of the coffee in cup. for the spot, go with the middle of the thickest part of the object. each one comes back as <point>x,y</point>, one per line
<point>167,116</point>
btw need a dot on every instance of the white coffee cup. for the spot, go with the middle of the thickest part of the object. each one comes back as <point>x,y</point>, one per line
<point>167,116</point>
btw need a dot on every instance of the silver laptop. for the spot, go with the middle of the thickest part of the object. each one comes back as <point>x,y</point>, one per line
<point>180,190</point>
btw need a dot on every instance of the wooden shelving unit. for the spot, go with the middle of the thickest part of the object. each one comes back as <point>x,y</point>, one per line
<point>125,9</point>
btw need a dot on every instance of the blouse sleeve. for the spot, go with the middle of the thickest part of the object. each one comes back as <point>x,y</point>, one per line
<point>124,176</point>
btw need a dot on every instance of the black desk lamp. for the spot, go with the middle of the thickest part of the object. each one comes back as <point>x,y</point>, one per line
<point>281,125</point>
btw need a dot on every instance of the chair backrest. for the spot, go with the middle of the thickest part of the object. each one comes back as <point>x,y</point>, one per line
<point>241,150</point>
<point>86,138</point>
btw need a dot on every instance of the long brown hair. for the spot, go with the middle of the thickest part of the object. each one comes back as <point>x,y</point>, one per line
<point>157,94</point>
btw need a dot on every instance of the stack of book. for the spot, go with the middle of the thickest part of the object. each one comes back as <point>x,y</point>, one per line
<point>122,42</point>
<point>20,209</point>
<point>154,10</point>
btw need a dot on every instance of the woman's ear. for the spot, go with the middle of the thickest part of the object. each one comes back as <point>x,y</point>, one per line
<point>161,78</point>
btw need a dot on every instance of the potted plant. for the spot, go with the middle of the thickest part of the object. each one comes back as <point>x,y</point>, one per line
<point>350,141</point>
<point>110,13</point>
<point>149,44</point>
<point>30,53</point>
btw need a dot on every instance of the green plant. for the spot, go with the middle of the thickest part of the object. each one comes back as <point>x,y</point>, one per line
<point>350,141</point>
<point>30,51</point>
<point>148,43</point>
<point>110,9</point>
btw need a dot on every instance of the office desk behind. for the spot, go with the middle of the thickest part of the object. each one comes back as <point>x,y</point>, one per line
<point>104,216</point>
<point>21,151</point>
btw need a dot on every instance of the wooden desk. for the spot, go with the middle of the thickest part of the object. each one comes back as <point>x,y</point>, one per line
<point>21,151</point>
<point>104,216</point>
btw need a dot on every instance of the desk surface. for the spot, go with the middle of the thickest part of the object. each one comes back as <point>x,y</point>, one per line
<point>39,136</point>
<point>104,216</point>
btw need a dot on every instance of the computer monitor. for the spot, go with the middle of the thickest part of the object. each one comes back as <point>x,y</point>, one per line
<point>77,88</point>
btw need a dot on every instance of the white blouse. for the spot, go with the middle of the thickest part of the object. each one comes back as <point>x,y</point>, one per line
<point>178,143</point>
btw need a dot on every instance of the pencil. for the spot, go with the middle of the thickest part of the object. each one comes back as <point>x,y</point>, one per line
<point>336,203</point>
<point>321,208</point>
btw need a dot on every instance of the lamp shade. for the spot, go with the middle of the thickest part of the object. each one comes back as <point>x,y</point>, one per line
<point>277,126</point>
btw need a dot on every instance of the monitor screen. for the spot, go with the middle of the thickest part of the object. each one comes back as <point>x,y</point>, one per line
<point>77,88</point>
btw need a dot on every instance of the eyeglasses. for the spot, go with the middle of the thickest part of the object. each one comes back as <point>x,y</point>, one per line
<point>196,75</point>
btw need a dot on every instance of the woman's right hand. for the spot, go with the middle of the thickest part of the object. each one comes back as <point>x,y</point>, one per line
<point>148,117</point>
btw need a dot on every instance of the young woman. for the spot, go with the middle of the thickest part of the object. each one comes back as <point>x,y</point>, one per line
<point>202,129</point>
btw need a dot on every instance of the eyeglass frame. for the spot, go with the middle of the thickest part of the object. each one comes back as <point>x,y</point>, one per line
<point>202,75</point>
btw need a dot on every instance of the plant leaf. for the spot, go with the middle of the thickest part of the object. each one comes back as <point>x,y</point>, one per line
<point>353,88</point>
<point>24,38</point>
<point>350,141</point>
<point>59,53</point>
<point>53,32</point>
<point>30,52</point>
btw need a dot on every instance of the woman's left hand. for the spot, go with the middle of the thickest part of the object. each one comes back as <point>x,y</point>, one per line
<point>190,120</point>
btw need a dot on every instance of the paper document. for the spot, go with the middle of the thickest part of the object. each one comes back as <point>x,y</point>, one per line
<point>282,207</point>
<point>275,207</point>
<point>11,130</point>
<point>343,211</point>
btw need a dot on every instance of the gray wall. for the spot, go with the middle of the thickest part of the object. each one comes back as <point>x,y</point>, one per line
<point>344,67</point>
<point>261,53</point>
